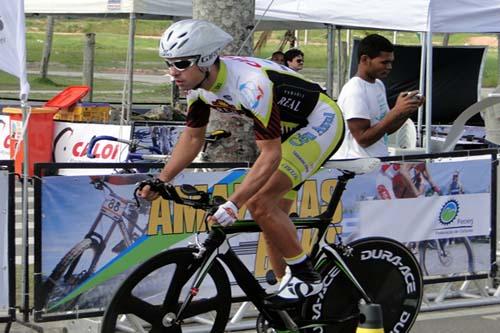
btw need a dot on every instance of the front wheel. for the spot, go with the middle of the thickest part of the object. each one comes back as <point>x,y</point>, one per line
<point>389,274</point>
<point>74,268</point>
<point>152,295</point>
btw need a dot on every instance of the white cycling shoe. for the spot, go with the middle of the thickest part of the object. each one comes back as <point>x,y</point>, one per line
<point>296,289</point>
<point>292,289</point>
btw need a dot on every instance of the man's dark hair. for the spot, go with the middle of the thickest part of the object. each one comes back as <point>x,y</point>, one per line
<point>277,53</point>
<point>292,53</point>
<point>373,45</point>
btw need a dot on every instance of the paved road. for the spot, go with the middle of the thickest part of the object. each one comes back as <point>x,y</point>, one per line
<point>479,319</point>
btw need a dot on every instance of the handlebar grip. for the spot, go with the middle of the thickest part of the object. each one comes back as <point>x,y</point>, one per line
<point>94,140</point>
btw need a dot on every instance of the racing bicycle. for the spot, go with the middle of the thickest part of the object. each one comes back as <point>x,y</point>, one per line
<point>188,286</point>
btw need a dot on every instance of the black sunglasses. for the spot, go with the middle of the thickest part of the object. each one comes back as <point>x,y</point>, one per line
<point>182,64</point>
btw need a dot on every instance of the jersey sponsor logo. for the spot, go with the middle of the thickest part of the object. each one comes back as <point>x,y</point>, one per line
<point>290,103</point>
<point>302,138</point>
<point>301,160</point>
<point>291,171</point>
<point>245,60</point>
<point>252,93</point>
<point>326,124</point>
<point>224,107</point>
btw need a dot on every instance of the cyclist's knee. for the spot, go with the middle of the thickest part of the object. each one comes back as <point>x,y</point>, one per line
<point>259,208</point>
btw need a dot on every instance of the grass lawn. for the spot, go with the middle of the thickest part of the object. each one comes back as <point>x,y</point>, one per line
<point>111,50</point>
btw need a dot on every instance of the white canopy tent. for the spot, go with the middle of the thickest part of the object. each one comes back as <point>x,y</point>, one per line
<point>426,16</point>
<point>149,8</point>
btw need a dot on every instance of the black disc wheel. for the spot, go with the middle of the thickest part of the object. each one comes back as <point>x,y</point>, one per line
<point>387,272</point>
<point>152,296</point>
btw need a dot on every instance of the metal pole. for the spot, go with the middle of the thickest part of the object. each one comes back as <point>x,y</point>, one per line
<point>331,58</point>
<point>130,65</point>
<point>421,86</point>
<point>339,61</point>
<point>428,93</point>
<point>25,253</point>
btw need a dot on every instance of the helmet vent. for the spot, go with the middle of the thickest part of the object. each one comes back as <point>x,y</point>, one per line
<point>183,42</point>
<point>169,35</point>
<point>173,45</point>
<point>182,35</point>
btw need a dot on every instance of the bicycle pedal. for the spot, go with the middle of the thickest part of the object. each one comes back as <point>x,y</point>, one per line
<point>271,277</point>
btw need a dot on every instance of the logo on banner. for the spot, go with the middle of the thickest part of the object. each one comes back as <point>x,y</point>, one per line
<point>1,24</point>
<point>449,212</point>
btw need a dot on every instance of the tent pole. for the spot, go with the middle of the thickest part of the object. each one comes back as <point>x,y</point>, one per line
<point>331,58</point>
<point>25,253</point>
<point>339,60</point>
<point>421,86</point>
<point>428,92</point>
<point>130,65</point>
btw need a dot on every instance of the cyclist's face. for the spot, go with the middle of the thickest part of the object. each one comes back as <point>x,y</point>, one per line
<point>380,66</point>
<point>186,78</point>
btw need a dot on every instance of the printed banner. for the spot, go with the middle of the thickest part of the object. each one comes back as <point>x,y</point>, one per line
<point>4,241</point>
<point>71,142</point>
<point>439,210</point>
<point>4,138</point>
<point>12,42</point>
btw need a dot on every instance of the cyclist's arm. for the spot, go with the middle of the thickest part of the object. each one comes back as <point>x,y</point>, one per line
<point>185,151</point>
<point>265,165</point>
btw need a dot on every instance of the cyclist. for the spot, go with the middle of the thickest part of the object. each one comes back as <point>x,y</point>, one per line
<point>456,186</point>
<point>297,127</point>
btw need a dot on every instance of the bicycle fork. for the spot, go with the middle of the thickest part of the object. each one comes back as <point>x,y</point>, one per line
<point>207,251</point>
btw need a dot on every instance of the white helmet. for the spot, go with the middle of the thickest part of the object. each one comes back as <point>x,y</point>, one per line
<point>194,38</point>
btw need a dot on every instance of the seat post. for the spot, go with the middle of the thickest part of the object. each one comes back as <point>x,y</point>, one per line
<point>337,194</point>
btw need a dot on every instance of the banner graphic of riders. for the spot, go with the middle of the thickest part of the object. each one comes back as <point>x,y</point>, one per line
<point>4,237</point>
<point>93,233</point>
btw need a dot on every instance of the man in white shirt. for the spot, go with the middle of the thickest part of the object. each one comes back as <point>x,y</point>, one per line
<point>363,102</point>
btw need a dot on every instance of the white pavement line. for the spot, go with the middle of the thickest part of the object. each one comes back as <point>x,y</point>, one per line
<point>458,313</point>
<point>492,317</point>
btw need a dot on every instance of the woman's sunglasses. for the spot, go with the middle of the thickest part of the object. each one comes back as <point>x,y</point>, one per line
<point>182,64</point>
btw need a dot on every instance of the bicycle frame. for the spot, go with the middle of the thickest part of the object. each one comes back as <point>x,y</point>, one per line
<point>216,247</point>
<point>114,207</point>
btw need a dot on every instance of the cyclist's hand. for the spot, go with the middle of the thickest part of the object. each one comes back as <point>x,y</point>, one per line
<point>149,189</point>
<point>226,214</point>
<point>147,193</point>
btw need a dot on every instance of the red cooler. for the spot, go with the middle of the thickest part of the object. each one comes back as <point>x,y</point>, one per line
<point>39,133</point>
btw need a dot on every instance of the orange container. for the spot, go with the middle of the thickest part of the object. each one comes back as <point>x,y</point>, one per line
<point>39,134</point>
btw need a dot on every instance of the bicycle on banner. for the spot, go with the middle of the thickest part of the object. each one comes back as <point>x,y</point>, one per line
<point>187,287</point>
<point>80,262</point>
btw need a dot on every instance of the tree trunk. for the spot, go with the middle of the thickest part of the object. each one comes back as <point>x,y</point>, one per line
<point>236,18</point>
<point>47,47</point>
<point>446,39</point>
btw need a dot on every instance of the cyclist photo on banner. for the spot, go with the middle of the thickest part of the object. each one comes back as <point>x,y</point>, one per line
<point>107,223</point>
<point>297,128</point>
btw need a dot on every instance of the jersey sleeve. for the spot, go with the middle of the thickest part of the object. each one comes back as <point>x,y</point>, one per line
<point>354,105</point>
<point>198,112</point>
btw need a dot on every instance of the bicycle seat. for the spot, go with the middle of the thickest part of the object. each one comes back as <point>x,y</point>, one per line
<point>358,166</point>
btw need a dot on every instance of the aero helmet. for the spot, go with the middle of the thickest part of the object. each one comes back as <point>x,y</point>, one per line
<point>199,38</point>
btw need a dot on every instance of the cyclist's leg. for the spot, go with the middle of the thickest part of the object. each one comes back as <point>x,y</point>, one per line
<point>278,264</point>
<point>303,153</point>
